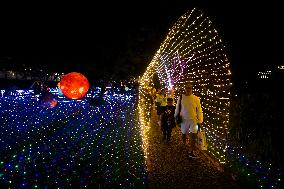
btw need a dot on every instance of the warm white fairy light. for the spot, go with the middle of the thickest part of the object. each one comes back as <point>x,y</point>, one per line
<point>193,52</point>
<point>264,75</point>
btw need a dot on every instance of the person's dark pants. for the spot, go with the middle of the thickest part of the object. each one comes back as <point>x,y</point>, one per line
<point>159,110</point>
<point>167,132</point>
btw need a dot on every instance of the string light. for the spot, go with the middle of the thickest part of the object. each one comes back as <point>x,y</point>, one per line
<point>73,145</point>
<point>193,52</point>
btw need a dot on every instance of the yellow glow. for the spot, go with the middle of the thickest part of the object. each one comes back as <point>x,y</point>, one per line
<point>193,52</point>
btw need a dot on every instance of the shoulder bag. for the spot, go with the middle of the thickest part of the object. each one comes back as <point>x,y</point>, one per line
<point>178,117</point>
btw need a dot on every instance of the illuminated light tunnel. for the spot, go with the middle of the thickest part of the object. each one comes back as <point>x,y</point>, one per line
<point>193,52</point>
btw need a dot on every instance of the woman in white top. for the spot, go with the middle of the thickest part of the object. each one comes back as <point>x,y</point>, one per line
<point>192,115</point>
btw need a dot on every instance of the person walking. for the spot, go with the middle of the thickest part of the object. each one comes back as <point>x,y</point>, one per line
<point>161,102</point>
<point>192,116</point>
<point>168,120</point>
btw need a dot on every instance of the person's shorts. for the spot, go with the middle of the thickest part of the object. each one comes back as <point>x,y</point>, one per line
<point>188,126</point>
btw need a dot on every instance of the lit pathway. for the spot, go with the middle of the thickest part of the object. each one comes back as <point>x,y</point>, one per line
<point>170,167</point>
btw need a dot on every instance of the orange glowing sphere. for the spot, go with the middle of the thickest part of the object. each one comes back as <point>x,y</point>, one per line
<point>74,85</point>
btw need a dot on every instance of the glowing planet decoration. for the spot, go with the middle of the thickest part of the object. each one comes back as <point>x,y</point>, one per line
<point>74,85</point>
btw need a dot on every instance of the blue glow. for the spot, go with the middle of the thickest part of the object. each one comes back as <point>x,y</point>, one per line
<point>75,144</point>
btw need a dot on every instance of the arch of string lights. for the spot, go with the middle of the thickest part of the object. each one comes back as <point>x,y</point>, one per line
<point>193,53</point>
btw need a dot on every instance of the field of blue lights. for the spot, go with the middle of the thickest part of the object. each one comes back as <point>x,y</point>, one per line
<point>75,144</point>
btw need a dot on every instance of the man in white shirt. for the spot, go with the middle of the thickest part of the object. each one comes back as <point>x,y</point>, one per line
<point>192,116</point>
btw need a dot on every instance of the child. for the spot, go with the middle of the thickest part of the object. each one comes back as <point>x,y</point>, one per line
<point>168,120</point>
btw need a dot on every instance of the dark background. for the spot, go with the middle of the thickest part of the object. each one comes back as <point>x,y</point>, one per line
<point>119,39</point>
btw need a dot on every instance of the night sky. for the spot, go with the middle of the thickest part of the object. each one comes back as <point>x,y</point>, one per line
<point>120,38</point>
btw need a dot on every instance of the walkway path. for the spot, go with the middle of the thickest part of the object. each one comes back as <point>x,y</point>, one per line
<point>170,167</point>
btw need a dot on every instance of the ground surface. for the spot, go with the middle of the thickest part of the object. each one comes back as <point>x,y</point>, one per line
<point>170,167</point>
